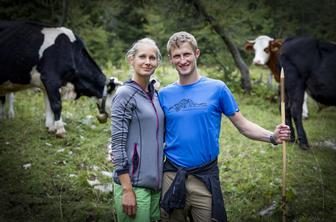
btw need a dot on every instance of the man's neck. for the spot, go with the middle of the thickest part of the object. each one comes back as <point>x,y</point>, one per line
<point>189,79</point>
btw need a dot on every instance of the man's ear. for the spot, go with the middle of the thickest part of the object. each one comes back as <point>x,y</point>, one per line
<point>197,52</point>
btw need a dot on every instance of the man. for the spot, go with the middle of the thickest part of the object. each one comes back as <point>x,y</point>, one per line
<point>193,107</point>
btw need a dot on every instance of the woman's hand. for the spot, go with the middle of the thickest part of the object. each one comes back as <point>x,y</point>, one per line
<point>129,202</point>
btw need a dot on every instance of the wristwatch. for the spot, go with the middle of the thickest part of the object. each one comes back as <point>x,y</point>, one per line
<point>272,139</point>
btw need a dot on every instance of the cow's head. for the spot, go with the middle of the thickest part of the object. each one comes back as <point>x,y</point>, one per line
<point>263,47</point>
<point>104,104</point>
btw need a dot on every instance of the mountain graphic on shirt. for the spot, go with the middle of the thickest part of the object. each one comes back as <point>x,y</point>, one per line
<point>185,104</point>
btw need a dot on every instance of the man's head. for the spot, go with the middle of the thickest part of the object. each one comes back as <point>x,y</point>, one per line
<point>178,38</point>
<point>183,53</point>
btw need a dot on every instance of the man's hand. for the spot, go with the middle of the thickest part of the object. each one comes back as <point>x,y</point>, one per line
<point>281,133</point>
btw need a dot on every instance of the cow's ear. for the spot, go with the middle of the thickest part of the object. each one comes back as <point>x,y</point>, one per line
<point>276,45</point>
<point>249,45</point>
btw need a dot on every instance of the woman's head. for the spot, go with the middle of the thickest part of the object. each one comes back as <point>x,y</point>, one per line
<point>144,56</point>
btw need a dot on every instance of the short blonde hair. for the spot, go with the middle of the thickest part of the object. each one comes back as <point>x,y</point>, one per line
<point>134,49</point>
<point>178,38</point>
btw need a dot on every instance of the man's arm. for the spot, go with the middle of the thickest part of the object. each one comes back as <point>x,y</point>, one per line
<point>256,132</point>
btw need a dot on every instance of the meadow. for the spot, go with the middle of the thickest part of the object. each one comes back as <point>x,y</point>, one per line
<point>44,178</point>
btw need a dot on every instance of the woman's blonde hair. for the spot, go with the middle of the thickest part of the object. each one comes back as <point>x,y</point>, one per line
<point>134,49</point>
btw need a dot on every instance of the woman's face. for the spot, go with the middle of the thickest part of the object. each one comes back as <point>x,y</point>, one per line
<point>145,61</point>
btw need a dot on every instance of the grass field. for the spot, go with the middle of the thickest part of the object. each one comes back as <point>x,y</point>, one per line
<point>48,179</point>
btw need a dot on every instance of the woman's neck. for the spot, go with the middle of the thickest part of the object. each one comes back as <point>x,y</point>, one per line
<point>142,81</point>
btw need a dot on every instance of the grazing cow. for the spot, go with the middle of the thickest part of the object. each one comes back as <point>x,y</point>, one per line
<point>55,60</point>
<point>309,65</point>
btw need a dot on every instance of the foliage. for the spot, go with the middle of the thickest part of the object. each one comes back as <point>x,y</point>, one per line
<point>110,27</point>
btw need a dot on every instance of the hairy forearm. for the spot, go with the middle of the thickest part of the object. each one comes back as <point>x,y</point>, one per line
<point>250,129</point>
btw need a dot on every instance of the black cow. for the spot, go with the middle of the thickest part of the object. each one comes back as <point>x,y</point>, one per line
<point>53,59</point>
<point>309,65</point>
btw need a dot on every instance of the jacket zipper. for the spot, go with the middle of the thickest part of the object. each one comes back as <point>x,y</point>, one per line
<point>157,134</point>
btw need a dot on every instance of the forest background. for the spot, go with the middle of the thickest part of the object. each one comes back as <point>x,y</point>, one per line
<point>46,179</point>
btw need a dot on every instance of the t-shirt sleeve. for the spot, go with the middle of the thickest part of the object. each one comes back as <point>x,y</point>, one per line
<point>228,103</point>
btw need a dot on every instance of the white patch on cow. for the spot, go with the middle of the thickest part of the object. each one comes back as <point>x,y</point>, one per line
<point>68,91</point>
<point>260,44</point>
<point>50,35</point>
<point>59,125</point>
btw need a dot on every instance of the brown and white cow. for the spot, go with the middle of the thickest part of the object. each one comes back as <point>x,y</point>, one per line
<point>309,65</point>
<point>266,51</point>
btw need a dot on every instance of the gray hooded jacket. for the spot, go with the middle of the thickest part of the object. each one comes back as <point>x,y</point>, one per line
<point>137,135</point>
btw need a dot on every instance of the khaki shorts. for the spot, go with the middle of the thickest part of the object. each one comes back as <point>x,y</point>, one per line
<point>147,205</point>
<point>198,201</point>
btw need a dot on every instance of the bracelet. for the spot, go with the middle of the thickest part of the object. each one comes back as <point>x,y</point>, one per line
<point>272,139</point>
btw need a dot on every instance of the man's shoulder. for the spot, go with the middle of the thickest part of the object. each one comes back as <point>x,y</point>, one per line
<point>213,82</point>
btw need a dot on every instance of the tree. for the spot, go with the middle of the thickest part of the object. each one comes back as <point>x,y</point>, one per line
<point>245,75</point>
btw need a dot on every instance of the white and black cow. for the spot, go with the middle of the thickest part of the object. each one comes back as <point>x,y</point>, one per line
<point>309,65</point>
<point>55,60</point>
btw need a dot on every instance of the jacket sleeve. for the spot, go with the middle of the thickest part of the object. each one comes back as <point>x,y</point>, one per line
<point>121,117</point>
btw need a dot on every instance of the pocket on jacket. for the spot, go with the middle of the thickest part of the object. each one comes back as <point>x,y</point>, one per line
<point>135,159</point>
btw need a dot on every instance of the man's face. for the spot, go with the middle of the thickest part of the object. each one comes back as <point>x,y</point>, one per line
<point>184,59</point>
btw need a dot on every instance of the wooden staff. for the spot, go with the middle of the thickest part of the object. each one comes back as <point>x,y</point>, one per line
<point>284,161</point>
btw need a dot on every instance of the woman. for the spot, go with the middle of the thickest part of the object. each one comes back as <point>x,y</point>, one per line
<point>137,138</point>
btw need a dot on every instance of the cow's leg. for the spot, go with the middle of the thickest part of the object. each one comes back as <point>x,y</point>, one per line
<point>288,120</point>
<point>11,113</point>
<point>296,101</point>
<point>55,107</point>
<point>49,115</point>
<point>294,87</point>
<point>2,107</point>
<point>305,107</point>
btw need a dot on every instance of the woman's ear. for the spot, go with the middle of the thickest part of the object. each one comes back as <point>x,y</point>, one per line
<point>130,60</point>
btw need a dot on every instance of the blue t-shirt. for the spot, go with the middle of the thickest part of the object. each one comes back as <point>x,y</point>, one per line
<point>193,120</point>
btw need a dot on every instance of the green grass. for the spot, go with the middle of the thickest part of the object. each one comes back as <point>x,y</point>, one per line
<point>55,187</point>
